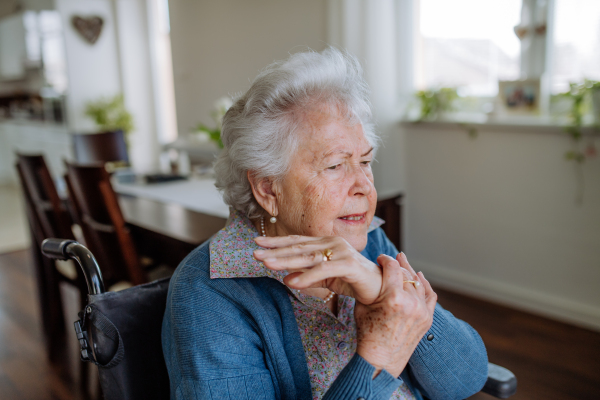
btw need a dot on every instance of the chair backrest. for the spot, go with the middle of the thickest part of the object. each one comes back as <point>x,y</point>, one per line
<point>47,217</point>
<point>126,332</point>
<point>102,223</point>
<point>100,147</point>
<point>50,214</point>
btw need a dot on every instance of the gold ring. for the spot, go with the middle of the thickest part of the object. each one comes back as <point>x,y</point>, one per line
<point>327,254</point>
<point>416,284</point>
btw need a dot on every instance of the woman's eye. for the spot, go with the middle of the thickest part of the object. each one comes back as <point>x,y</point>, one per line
<point>365,162</point>
<point>334,166</point>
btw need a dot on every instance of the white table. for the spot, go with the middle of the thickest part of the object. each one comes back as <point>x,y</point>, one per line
<point>199,195</point>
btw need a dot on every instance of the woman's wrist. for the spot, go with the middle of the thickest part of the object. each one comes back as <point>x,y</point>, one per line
<point>364,353</point>
<point>380,358</point>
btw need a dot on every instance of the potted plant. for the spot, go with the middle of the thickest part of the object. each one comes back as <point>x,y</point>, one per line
<point>582,97</point>
<point>436,103</point>
<point>217,114</point>
<point>110,114</point>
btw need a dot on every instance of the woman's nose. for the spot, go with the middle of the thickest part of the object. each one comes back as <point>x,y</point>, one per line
<point>362,184</point>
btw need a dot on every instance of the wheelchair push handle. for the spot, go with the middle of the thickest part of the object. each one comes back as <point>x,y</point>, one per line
<point>55,248</point>
<point>63,249</point>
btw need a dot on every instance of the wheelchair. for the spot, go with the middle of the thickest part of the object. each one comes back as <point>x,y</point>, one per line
<point>120,333</point>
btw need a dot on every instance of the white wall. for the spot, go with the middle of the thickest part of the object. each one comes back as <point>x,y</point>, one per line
<point>496,217</point>
<point>92,70</point>
<point>220,46</point>
<point>119,62</point>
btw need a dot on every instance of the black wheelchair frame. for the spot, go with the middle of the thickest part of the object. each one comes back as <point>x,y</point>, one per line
<point>132,318</point>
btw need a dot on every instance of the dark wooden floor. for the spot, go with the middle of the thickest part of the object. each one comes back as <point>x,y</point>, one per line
<point>551,360</point>
<point>24,370</point>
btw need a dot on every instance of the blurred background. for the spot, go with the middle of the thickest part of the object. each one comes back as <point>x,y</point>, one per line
<point>489,178</point>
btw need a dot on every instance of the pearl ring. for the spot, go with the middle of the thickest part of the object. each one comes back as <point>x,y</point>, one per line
<point>416,284</point>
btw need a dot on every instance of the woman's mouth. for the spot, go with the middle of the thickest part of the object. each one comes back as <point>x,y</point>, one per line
<point>354,218</point>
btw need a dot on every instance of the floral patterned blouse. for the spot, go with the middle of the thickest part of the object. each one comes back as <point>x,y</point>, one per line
<point>329,341</point>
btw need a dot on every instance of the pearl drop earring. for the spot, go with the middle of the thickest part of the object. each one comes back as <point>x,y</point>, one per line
<point>273,220</point>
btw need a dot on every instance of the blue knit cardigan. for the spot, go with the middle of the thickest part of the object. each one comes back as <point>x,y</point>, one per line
<point>237,338</point>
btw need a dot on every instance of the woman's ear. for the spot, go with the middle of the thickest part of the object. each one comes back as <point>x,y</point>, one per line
<point>264,193</point>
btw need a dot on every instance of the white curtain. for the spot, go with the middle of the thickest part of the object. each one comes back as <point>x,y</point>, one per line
<point>379,33</point>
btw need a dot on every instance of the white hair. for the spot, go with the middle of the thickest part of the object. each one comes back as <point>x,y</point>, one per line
<point>260,130</point>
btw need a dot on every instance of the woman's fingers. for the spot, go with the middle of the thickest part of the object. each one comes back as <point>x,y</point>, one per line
<point>392,274</point>
<point>405,314</point>
<point>430,295</point>
<point>292,262</point>
<point>298,254</point>
<point>403,261</point>
<point>321,272</point>
<point>282,241</point>
<point>344,270</point>
<point>407,281</point>
<point>339,277</point>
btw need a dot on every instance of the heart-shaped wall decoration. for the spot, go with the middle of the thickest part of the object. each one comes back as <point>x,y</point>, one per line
<point>89,27</point>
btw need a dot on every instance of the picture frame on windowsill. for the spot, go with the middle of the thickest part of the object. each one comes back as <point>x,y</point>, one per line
<point>519,98</point>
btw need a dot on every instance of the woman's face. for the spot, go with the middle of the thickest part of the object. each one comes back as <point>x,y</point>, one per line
<point>329,190</point>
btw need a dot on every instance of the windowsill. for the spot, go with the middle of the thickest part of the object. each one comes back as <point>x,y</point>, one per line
<point>482,122</point>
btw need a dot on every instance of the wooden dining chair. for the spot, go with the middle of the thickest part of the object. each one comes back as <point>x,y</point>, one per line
<point>100,147</point>
<point>103,226</point>
<point>390,210</point>
<point>48,216</point>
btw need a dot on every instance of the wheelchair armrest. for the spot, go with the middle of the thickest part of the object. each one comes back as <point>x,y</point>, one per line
<point>501,383</point>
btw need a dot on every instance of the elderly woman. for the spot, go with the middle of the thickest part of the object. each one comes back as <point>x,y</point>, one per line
<point>302,295</point>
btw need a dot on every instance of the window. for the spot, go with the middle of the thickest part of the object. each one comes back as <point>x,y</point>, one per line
<point>575,53</point>
<point>52,48</point>
<point>468,44</point>
<point>45,47</point>
<point>472,44</point>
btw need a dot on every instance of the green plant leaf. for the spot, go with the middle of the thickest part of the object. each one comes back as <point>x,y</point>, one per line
<point>110,114</point>
<point>213,134</point>
<point>434,102</point>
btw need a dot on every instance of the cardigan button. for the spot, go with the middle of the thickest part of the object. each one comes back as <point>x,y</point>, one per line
<point>361,398</point>
<point>430,337</point>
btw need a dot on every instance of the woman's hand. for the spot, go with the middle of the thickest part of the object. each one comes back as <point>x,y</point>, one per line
<point>390,328</point>
<point>347,272</point>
